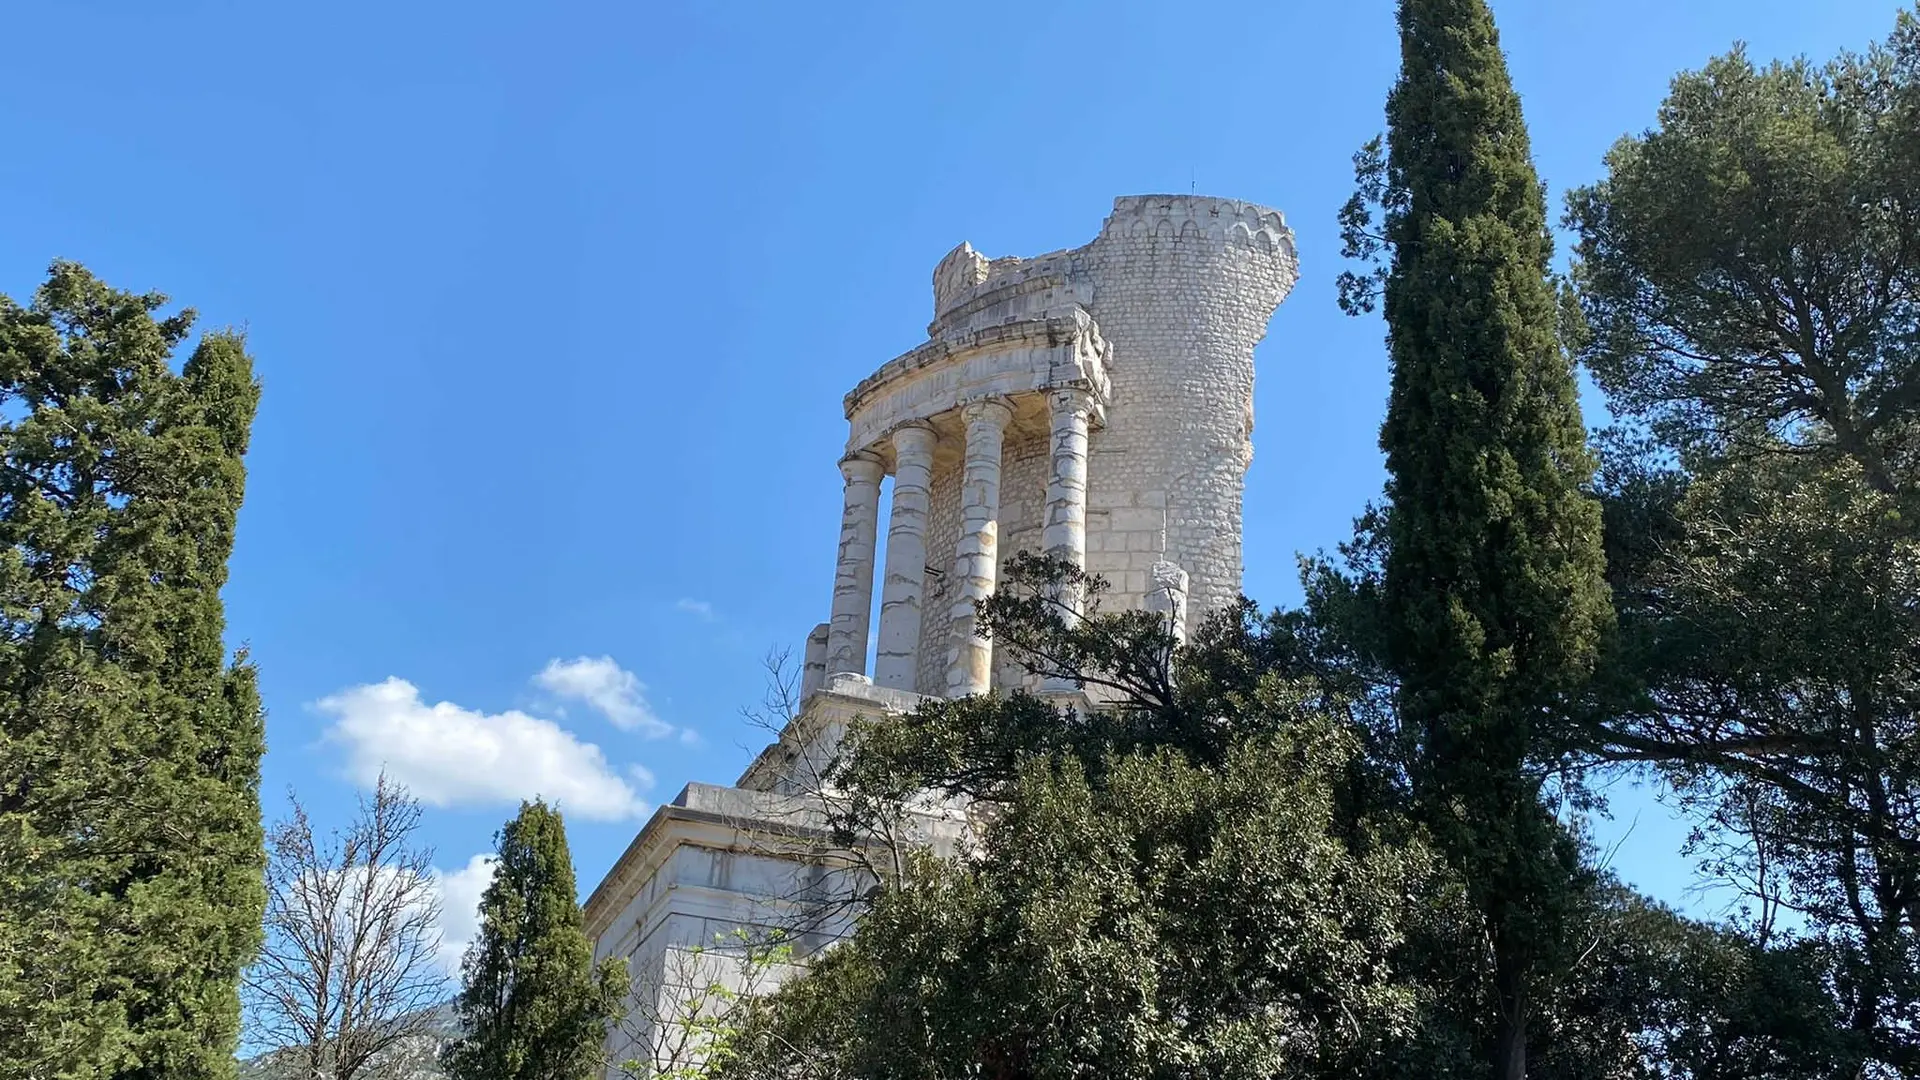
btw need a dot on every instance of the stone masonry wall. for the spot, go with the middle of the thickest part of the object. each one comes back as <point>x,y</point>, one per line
<point>943,531</point>
<point>1023,497</point>
<point>1183,288</point>
<point>1157,319</point>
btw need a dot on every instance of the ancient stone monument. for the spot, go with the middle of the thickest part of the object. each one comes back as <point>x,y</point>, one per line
<point>1094,404</point>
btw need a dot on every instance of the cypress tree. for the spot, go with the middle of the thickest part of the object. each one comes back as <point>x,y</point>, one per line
<point>130,841</point>
<point>1494,586</point>
<point>533,1006</point>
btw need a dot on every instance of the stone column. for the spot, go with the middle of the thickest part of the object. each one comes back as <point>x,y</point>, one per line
<point>897,663</point>
<point>853,574</point>
<point>977,555</point>
<point>1065,534</point>
<point>1167,597</point>
<point>813,663</point>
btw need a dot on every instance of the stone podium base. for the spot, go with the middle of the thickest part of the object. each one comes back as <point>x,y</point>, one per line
<point>720,872</point>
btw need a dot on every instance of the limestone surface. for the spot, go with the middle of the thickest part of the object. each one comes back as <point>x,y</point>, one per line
<point>1125,368</point>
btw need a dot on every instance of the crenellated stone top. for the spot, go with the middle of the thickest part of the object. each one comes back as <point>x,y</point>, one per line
<point>1230,221</point>
<point>965,280</point>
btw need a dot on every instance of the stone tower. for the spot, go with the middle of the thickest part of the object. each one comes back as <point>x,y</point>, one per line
<point>1094,404</point>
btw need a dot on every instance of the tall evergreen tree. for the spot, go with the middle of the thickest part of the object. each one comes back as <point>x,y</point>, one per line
<point>130,843</point>
<point>1494,596</point>
<point>533,1006</point>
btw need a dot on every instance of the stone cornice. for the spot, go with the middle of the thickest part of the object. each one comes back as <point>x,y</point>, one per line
<point>747,808</point>
<point>1064,347</point>
<point>1048,332</point>
<point>698,808</point>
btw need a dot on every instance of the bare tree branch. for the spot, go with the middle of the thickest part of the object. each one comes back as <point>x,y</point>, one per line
<point>346,982</point>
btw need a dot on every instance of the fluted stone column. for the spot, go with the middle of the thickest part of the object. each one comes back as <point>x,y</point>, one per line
<point>977,555</point>
<point>853,574</point>
<point>897,662</point>
<point>1064,536</point>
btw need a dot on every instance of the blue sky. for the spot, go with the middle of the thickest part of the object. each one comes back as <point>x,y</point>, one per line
<point>555,305</point>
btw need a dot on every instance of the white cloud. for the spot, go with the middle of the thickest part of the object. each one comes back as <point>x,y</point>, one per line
<point>699,609</point>
<point>460,892</point>
<point>452,756</point>
<point>607,687</point>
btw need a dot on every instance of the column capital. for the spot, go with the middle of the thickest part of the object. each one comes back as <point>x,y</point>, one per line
<point>997,411</point>
<point>915,437</point>
<point>861,467</point>
<point>1072,399</point>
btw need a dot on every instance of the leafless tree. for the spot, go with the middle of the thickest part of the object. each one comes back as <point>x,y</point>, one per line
<point>345,984</point>
<point>780,700</point>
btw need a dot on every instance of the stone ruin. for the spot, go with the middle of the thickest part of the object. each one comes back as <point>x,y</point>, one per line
<point>1095,405</point>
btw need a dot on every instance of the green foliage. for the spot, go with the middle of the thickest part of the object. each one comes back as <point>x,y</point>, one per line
<point>533,1005</point>
<point>1315,843</point>
<point>1163,919</point>
<point>1225,878</point>
<point>1202,875</point>
<point>1493,600</point>
<point>1494,592</point>
<point>1657,995</point>
<point>1768,661</point>
<point>1749,266</point>
<point>1201,700</point>
<point>130,838</point>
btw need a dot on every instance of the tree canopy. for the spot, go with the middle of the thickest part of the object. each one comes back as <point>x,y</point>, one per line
<point>1747,270</point>
<point>1748,266</point>
<point>1492,593</point>
<point>1338,841</point>
<point>130,839</point>
<point>1229,879</point>
<point>533,1006</point>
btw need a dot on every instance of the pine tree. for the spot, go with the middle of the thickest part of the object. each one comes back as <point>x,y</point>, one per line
<point>533,1005</point>
<point>130,840</point>
<point>1747,269</point>
<point>1494,593</point>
